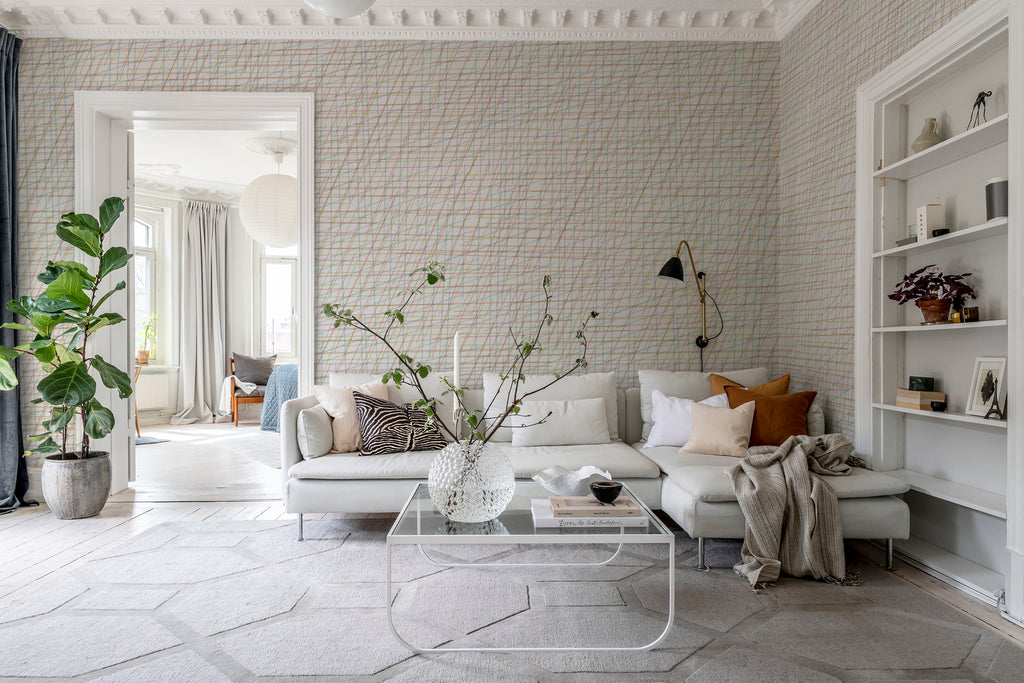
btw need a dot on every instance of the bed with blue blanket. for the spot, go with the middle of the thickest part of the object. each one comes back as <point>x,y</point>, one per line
<point>282,386</point>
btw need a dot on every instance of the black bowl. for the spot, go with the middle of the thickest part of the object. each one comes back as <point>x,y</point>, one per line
<point>606,491</point>
<point>938,406</point>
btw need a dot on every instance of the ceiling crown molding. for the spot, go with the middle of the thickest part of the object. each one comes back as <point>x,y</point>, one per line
<point>541,20</point>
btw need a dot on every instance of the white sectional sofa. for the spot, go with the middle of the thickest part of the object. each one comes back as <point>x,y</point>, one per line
<point>693,489</point>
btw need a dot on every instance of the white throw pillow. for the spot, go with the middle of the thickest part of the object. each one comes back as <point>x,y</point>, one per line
<point>673,418</point>
<point>340,405</point>
<point>577,421</point>
<point>695,386</point>
<point>433,386</point>
<point>720,431</point>
<point>815,420</point>
<point>315,433</point>
<point>590,385</point>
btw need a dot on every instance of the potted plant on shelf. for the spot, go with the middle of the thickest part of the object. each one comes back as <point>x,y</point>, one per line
<point>933,292</point>
<point>470,480</point>
<point>146,339</point>
<point>60,323</point>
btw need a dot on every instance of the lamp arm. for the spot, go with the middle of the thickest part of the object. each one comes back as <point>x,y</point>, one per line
<point>699,278</point>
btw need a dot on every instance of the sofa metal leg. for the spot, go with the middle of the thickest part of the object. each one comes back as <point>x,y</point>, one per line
<point>701,567</point>
<point>888,553</point>
<point>300,526</point>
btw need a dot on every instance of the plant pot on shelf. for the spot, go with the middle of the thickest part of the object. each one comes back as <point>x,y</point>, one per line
<point>76,488</point>
<point>142,357</point>
<point>935,310</point>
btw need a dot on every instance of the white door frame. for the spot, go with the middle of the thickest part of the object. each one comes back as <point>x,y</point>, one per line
<point>100,172</point>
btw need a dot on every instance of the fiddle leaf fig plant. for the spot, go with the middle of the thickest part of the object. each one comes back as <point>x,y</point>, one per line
<point>410,371</point>
<point>60,321</point>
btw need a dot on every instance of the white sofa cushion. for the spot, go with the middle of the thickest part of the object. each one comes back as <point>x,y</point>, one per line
<point>590,385</point>
<point>433,385</point>
<point>724,431</point>
<point>314,432</point>
<point>673,418</point>
<point>706,477</point>
<point>695,386</point>
<point>341,406</point>
<point>560,423</point>
<point>617,458</point>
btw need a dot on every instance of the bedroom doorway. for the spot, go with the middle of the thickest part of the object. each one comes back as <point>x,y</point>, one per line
<point>166,152</point>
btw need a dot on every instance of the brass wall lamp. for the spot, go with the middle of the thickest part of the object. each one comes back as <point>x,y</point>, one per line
<point>673,270</point>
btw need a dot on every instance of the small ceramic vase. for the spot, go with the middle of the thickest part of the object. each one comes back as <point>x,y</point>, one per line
<point>929,136</point>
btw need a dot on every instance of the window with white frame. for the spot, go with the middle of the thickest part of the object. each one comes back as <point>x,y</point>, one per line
<point>145,230</point>
<point>277,305</point>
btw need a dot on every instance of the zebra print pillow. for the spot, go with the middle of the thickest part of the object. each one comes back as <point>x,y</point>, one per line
<point>389,428</point>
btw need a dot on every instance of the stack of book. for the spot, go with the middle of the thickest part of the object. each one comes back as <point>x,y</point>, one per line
<point>919,400</point>
<point>586,511</point>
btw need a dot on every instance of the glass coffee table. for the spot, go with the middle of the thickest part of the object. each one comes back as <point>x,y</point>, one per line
<point>420,524</point>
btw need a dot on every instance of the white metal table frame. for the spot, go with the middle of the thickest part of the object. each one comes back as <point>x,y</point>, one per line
<point>564,537</point>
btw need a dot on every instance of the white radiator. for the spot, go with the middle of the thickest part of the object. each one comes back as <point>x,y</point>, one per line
<point>157,391</point>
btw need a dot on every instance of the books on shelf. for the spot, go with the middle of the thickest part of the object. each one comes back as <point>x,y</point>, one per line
<point>544,518</point>
<point>588,506</point>
<point>919,400</point>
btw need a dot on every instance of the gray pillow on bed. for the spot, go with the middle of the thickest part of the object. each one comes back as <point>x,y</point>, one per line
<point>255,369</point>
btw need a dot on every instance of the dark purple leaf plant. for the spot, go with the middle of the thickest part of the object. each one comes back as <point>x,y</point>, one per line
<point>929,283</point>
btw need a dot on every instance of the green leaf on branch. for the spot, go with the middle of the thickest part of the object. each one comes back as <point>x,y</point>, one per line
<point>60,417</point>
<point>8,380</point>
<point>110,210</point>
<point>546,282</point>
<point>48,447</point>
<point>423,371</point>
<point>68,385</point>
<point>50,273</point>
<point>46,355</point>
<point>98,420</point>
<point>68,285</point>
<point>117,288</point>
<point>21,306</point>
<point>113,259</point>
<point>18,326</point>
<point>45,322</point>
<point>77,233</point>
<point>47,305</point>
<point>113,377</point>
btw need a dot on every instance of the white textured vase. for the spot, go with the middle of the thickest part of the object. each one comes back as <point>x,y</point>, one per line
<point>471,482</point>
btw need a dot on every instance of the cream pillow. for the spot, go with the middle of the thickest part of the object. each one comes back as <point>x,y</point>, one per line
<point>315,434</point>
<point>589,385</point>
<point>720,431</point>
<point>340,405</point>
<point>579,421</point>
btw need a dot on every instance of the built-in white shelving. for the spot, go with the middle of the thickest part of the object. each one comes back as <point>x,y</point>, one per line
<point>949,151</point>
<point>940,328</point>
<point>946,415</point>
<point>979,581</point>
<point>957,466</point>
<point>977,499</point>
<point>993,228</point>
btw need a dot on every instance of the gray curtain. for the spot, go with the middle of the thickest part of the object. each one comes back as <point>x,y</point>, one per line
<point>203,311</point>
<point>13,471</point>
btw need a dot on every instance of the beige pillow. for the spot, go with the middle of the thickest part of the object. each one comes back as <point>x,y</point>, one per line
<point>340,405</point>
<point>720,431</point>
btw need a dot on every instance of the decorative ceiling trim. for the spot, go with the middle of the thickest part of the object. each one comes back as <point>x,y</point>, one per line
<point>189,188</point>
<point>543,20</point>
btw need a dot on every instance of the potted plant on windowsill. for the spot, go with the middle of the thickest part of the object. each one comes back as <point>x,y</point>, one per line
<point>60,323</point>
<point>933,292</point>
<point>470,480</point>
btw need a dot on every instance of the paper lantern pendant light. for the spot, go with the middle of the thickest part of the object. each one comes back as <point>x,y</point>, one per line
<point>269,208</point>
<point>269,205</point>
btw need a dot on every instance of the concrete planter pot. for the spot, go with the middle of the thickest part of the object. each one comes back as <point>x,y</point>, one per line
<point>76,488</point>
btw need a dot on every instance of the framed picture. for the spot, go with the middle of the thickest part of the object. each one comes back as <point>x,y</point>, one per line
<point>986,384</point>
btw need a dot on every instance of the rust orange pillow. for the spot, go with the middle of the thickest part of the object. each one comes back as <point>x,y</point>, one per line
<point>776,418</point>
<point>776,387</point>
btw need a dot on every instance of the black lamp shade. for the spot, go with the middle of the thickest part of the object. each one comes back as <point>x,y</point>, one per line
<point>672,270</point>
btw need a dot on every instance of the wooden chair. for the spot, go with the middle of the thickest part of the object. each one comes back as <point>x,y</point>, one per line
<point>235,398</point>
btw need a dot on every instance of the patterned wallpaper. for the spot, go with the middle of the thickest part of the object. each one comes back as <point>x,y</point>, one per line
<point>504,161</point>
<point>836,48</point>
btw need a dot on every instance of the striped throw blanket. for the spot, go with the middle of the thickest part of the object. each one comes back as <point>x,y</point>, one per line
<point>792,514</point>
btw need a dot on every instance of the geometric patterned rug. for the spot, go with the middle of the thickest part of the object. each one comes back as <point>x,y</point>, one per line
<point>242,600</point>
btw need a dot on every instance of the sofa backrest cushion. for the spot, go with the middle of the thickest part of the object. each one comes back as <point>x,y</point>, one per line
<point>433,385</point>
<point>695,386</point>
<point>590,385</point>
<point>560,423</point>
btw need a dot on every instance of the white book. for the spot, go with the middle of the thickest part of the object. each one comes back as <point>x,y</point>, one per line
<point>543,518</point>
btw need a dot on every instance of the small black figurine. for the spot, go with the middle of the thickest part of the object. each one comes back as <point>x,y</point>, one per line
<point>978,111</point>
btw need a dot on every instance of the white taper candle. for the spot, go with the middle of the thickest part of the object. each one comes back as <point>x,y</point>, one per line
<point>455,378</point>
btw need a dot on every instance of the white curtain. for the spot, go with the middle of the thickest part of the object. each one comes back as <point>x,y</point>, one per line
<point>203,311</point>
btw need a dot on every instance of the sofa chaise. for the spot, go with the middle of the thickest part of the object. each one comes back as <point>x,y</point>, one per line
<point>693,489</point>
